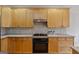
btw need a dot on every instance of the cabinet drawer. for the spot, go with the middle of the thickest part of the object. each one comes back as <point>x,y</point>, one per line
<point>65,50</point>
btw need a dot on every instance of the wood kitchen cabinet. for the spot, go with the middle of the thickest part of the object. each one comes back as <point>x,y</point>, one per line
<point>60,45</point>
<point>40,13</point>
<point>4,45</point>
<point>65,44</point>
<point>0,16</point>
<point>22,18</point>
<point>27,45</point>
<point>11,45</point>
<point>0,11</point>
<point>20,45</point>
<point>65,17</point>
<point>52,45</point>
<point>6,17</point>
<point>58,17</point>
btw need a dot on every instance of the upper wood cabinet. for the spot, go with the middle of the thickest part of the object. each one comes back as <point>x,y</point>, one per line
<point>40,13</point>
<point>0,12</point>
<point>65,17</point>
<point>0,16</point>
<point>6,17</point>
<point>58,17</point>
<point>22,18</point>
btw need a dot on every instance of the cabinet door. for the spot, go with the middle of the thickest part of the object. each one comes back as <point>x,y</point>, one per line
<point>54,18</point>
<point>11,45</point>
<point>40,13</point>
<point>22,18</point>
<point>0,10</point>
<point>29,19</point>
<point>0,16</point>
<point>15,45</point>
<point>20,45</point>
<point>4,45</point>
<point>53,45</point>
<point>65,44</point>
<point>65,17</point>
<point>58,17</point>
<point>23,45</point>
<point>27,45</point>
<point>43,13</point>
<point>18,48</point>
<point>6,17</point>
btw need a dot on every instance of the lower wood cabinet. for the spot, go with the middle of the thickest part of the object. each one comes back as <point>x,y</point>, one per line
<point>27,45</point>
<point>60,45</point>
<point>20,45</point>
<point>52,45</point>
<point>65,44</point>
<point>4,45</point>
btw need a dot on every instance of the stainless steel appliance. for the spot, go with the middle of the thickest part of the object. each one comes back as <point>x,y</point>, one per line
<point>40,43</point>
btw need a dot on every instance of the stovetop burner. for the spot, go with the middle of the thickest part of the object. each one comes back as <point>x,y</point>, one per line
<point>40,34</point>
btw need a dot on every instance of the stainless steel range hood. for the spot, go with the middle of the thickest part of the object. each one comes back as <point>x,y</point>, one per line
<point>40,20</point>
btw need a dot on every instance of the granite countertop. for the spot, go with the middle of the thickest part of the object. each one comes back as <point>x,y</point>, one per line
<point>15,36</point>
<point>60,35</point>
<point>32,35</point>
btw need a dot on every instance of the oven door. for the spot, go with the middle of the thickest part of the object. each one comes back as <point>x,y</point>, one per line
<point>40,47</point>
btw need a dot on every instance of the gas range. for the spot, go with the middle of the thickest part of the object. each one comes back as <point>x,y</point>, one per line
<point>40,43</point>
<point>40,35</point>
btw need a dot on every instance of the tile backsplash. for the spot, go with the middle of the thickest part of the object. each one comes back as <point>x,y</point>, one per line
<point>19,31</point>
<point>3,31</point>
<point>38,28</point>
<point>28,31</point>
<point>57,30</point>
